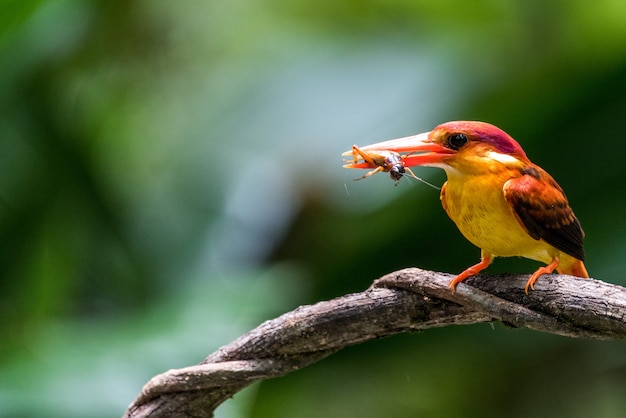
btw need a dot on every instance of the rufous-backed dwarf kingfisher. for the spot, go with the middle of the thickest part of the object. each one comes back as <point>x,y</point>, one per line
<point>500,201</point>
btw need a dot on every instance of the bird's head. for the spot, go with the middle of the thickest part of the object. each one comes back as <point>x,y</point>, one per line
<point>463,146</point>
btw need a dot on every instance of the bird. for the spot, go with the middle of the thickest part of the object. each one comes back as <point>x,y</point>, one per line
<point>499,200</point>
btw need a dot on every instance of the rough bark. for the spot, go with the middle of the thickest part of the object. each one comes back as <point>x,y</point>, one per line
<point>406,300</point>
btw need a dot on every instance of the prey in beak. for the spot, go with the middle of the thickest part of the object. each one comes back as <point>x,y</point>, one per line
<point>397,155</point>
<point>379,161</point>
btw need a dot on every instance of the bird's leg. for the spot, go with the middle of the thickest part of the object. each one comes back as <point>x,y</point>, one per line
<point>540,272</point>
<point>485,260</point>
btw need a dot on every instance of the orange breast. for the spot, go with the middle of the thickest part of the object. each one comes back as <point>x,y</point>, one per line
<point>477,206</point>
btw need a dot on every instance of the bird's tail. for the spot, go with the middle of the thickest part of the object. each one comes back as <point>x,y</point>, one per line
<point>574,268</point>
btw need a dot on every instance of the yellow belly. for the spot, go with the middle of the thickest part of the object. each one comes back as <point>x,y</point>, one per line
<point>477,206</point>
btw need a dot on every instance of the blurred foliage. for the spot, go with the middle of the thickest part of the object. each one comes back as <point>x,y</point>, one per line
<point>170,177</point>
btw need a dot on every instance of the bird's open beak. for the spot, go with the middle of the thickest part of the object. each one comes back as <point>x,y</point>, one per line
<point>416,150</point>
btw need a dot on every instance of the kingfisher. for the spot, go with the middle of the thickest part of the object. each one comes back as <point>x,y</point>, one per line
<point>499,200</point>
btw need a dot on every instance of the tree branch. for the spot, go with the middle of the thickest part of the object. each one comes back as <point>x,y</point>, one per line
<point>406,300</point>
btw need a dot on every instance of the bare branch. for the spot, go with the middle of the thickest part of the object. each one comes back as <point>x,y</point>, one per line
<point>406,300</point>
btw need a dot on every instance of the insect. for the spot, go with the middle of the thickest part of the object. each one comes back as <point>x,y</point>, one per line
<point>382,161</point>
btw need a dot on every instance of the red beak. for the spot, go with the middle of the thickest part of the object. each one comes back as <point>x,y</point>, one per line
<point>408,146</point>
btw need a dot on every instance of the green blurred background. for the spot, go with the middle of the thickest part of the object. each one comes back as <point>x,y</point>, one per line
<point>170,177</point>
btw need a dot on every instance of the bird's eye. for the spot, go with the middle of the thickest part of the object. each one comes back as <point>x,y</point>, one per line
<point>456,141</point>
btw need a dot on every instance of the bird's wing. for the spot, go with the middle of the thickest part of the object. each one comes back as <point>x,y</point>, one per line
<point>540,206</point>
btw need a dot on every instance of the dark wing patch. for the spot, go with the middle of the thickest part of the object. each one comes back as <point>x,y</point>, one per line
<point>540,206</point>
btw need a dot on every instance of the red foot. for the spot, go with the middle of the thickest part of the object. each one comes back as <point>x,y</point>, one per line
<point>471,271</point>
<point>540,272</point>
